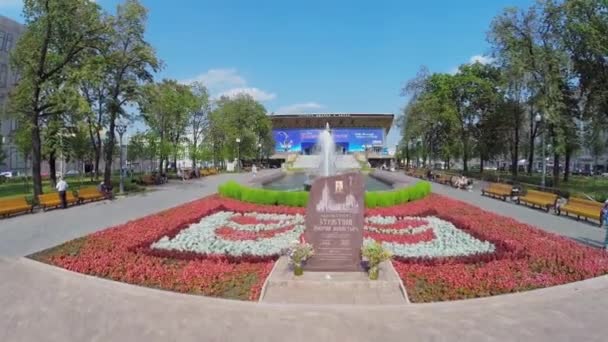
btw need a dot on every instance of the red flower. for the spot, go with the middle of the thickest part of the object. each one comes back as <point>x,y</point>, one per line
<point>229,233</point>
<point>525,257</point>
<point>426,235</point>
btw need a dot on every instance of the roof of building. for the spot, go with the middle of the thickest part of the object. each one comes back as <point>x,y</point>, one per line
<point>339,120</point>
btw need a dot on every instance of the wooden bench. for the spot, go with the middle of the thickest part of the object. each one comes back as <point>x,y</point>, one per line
<point>53,200</point>
<point>581,208</point>
<point>90,194</point>
<point>418,173</point>
<point>14,206</point>
<point>443,178</point>
<point>534,198</point>
<point>147,180</point>
<point>498,190</point>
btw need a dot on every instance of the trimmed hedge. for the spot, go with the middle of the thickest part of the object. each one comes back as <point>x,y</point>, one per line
<point>373,199</point>
<point>243,193</point>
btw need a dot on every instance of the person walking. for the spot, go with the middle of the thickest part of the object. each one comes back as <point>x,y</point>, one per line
<point>604,221</point>
<point>254,170</point>
<point>62,187</point>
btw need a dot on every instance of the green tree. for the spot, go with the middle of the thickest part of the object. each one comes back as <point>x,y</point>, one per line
<point>199,120</point>
<point>2,153</point>
<point>130,61</point>
<point>165,108</point>
<point>240,117</point>
<point>136,150</point>
<point>93,84</point>
<point>57,36</point>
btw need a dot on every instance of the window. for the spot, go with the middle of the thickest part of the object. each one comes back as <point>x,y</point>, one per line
<point>8,42</point>
<point>2,38</point>
<point>3,75</point>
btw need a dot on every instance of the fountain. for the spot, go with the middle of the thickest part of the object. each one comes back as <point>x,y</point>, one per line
<point>327,147</point>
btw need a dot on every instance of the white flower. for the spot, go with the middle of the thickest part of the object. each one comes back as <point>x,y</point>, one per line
<point>450,241</point>
<point>201,238</point>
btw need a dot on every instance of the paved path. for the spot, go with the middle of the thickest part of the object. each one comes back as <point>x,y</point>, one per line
<point>26,234</point>
<point>333,287</point>
<point>44,303</point>
<point>587,233</point>
<point>58,305</point>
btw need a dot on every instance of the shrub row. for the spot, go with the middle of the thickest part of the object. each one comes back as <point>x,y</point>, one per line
<point>243,193</point>
<point>374,199</point>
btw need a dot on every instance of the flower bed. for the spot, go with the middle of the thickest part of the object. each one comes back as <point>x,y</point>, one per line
<point>444,249</point>
<point>122,253</point>
<point>524,257</point>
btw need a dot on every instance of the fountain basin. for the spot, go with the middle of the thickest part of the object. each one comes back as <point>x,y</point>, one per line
<point>301,181</point>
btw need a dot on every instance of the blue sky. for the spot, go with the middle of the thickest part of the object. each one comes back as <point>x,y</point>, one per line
<point>313,56</point>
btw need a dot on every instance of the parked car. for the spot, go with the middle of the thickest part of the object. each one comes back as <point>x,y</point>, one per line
<point>72,173</point>
<point>7,174</point>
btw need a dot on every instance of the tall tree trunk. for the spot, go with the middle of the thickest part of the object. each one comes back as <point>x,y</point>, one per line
<point>555,170</point>
<point>515,157</point>
<point>36,156</point>
<point>97,160</point>
<point>480,165</point>
<point>193,152</point>
<point>107,176</point>
<point>533,131</point>
<point>95,138</point>
<point>175,162</point>
<point>567,165</point>
<point>531,153</point>
<point>465,153</point>
<point>53,168</point>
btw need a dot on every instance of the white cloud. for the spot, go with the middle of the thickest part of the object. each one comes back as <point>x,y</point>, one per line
<point>474,59</point>
<point>256,93</point>
<point>300,108</point>
<point>219,79</point>
<point>481,59</point>
<point>228,82</point>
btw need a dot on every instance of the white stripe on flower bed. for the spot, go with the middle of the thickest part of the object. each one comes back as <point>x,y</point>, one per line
<point>402,231</point>
<point>201,238</point>
<point>449,242</point>
<point>282,221</point>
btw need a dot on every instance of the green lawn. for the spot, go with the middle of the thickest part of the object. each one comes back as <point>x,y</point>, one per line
<point>20,189</point>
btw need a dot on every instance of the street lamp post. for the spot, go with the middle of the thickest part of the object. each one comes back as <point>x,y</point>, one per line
<point>396,156</point>
<point>538,118</point>
<point>259,153</point>
<point>418,142</point>
<point>238,155</point>
<point>121,128</point>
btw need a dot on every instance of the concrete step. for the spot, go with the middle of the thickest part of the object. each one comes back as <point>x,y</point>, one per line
<point>332,287</point>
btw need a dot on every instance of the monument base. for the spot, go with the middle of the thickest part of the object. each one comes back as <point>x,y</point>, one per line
<point>353,288</point>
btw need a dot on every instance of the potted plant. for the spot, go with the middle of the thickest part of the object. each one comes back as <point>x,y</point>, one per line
<point>375,254</point>
<point>298,254</point>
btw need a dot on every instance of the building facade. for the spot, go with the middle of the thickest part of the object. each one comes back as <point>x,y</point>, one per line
<point>356,132</point>
<point>10,31</point>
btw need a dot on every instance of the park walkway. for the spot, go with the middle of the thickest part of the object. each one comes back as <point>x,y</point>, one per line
<point>581,231</point>
<point>26,234</point>
<point>45,303</point>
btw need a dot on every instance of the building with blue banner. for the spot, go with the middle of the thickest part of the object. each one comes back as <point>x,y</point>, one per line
<point>298,133</point>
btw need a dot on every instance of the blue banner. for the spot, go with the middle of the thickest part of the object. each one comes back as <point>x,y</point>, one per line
<point>351,139</point>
